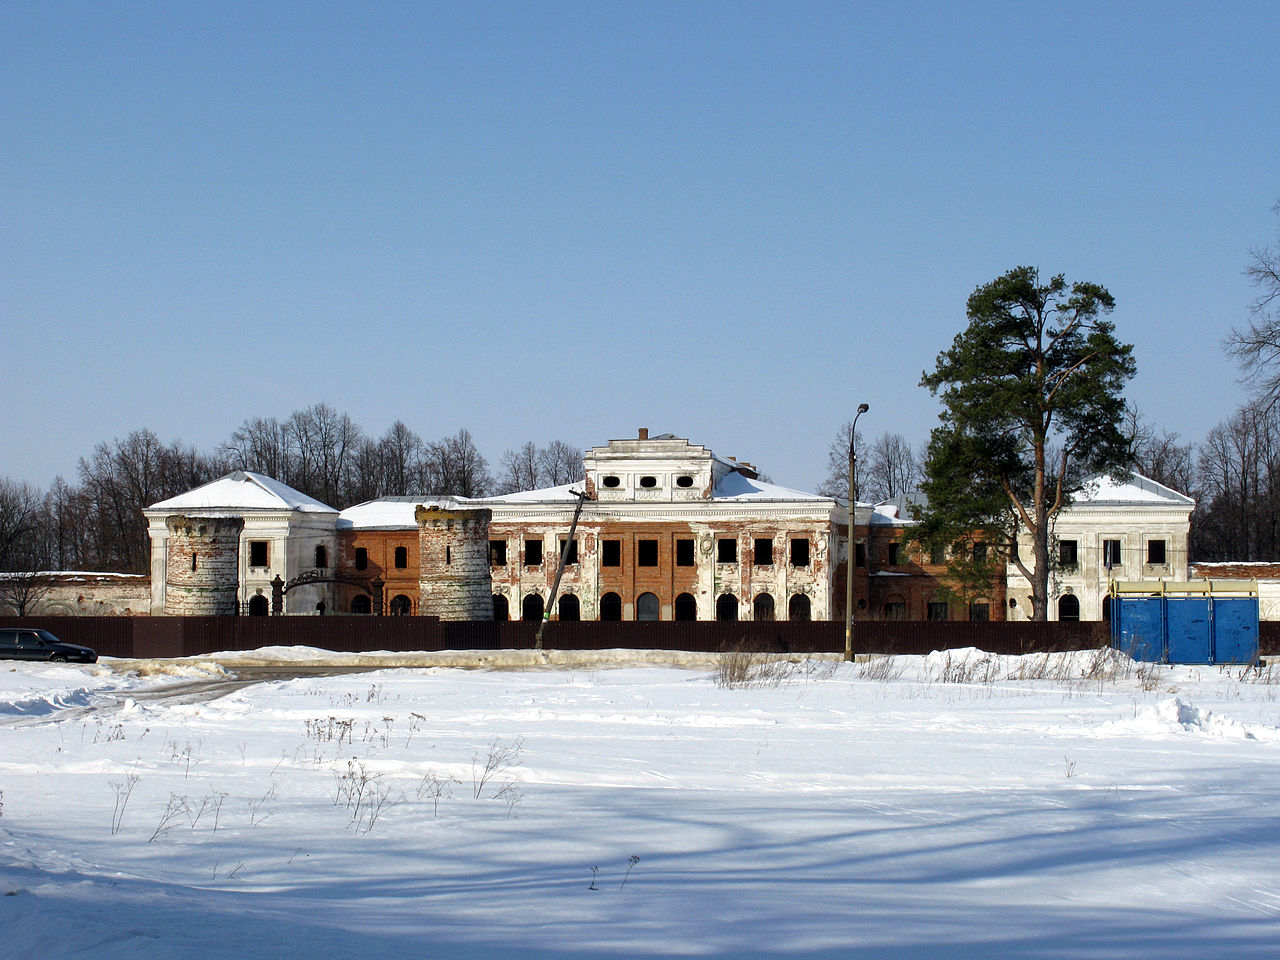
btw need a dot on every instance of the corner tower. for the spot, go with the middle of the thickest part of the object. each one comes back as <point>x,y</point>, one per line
<point>454,581</point>
<point>202,565</point>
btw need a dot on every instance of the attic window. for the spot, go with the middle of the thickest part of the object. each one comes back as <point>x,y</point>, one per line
<point>684,481</point>
<point>648,482</point>
<point>611,481</point>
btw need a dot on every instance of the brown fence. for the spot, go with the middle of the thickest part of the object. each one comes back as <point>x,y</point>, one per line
<point>192,636</point>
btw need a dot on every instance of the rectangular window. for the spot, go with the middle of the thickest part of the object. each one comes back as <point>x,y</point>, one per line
<point>362,558</point>
<point>937,610</point>
<point>979,553</point>
<point>646,553</point>
<point>611,553</point>
<point>1111,553</point>
<point>1067,554</point>
<point>893,553</point>
<point>726,551</point>
<point>895,611</point>
<point>937,555</point>
<point>573,551</point>
<point>533,553</point>
<point>800,552</point>
<point>979,612</point>
<point>684,553</point>
<point>860,555</point>
<point>497,553</point>
<point>257,553</point>
<point>763,553</point>
<point>1155,552</point>
<point>402,557</point>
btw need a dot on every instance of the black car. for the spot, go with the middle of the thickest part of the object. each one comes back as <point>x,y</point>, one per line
<point>28,643</point>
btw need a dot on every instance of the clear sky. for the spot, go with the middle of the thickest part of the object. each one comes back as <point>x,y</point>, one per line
<point>728,221</point>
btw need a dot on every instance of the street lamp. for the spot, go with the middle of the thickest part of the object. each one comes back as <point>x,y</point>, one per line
<point>852,543</point>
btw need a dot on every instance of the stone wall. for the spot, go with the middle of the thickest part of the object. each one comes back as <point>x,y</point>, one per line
<point>202,566</point>
<point>453,548</point>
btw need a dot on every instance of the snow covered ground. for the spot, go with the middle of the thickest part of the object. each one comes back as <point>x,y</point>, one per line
<point>958,806</point>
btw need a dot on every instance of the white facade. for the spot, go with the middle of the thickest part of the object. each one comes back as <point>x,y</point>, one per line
<point>1135,530</point>
<point>282,531</point>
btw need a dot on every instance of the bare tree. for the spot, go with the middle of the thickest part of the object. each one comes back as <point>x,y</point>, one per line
<point>837,482</point>
<point>1239,475</point>
<point>458,467</point>
<point>894,468</point>
<point>533,468</point>
<point>22,591</point>
<point>262,446</point>
<point>20,507</point>
<point>1256,346</point>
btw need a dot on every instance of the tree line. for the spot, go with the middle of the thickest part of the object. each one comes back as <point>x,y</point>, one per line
<point>95,524</point>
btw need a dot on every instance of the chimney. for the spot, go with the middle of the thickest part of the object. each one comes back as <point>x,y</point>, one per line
<point>644,433</point>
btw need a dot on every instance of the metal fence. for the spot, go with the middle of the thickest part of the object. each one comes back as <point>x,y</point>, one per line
<point>192,636</point>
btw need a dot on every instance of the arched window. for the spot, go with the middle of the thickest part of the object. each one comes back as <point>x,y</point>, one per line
<point>400,606</point>
<point>258,606</point>
<point>762,608</point>
<point>686,607</point>
<point>799,608</point>
<point>322,557</point>
<point>501,609</point>
<point>610,607</point>
<point>647,606</point>
<point>531,609</point>
<point>360,604</point>
<point>1068,607</point>
<point>568,608</point>
<point>726,607</point>
<point>402,557</point>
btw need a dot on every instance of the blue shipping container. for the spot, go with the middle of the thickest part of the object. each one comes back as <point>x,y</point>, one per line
<point>1195,629</point>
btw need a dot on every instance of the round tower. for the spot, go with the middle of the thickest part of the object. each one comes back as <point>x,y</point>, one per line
<point>454,581</point>
<point>202,569</point>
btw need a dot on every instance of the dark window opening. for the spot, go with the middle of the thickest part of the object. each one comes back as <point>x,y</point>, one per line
<point>501,609</point>
<point>362,558</point>
<point>726,607</point>
<point>763,555</point>
<point>979,553</point>
<point>1155,551</point>
<point>937,555</point>
<point>1068,607</point>
<point>448,555</point>
<point>893,553</point>
<point>258,606</point>
<point>860,555</point>
<point>611,553</point>
<point>611,607</point>
<point>647,607</point>
<point>572,556</point>
<point>799,608</point>
<point>1068,553</point>
<point>648,482</point>
<point>568,609</point>
<point>800,553</point>
<point>257,553</point>
<point>646,553</point>
<point>497,553</point>
<point>895,610</point>
<point>533,553</point>
<point>401,606</point>
<point>979,612</point>
<point>684,481</point>
<point>611,482</point>
<point>361,604</point>
<point>531,609</point>
<point>322,557</point>
<point>937,610</point>
<point>726,551</point>
<point>193,561</point>
<point>1110,553</point>
<point>762,607</point>
<point>402,557</point>
<point>686,607</point>
<point>684,553</point>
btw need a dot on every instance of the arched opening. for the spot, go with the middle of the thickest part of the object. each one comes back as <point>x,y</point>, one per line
<point>501,609</point>
<point>726,607</point>
<point>686,607</point>
<point>610,607</point>
<point>401,606</point>
<point>360,604</point>
<point>1068,607</point>
<point>762,607</point>
<point>568,608</point>
<point>1106,609</point>
<point>532,607</point>
<point>647,607</point>
<point>259,606</point>
<point>799,608</point>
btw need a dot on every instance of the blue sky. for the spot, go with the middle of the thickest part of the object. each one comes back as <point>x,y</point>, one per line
<point>732,222</point>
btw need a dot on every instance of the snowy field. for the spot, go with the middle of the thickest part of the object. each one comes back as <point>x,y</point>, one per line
<point>957,806</point>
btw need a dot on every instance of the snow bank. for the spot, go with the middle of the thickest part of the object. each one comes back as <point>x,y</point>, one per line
<point>1173,717</point>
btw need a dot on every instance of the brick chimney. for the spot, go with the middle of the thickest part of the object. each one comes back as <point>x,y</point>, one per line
<point>644,433</point>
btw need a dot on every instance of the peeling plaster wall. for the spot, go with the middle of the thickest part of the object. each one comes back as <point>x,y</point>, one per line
<point>453,549</point>
<point>206,586</point>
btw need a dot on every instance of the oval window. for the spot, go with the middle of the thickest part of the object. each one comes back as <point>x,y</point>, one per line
<point>648,481</point>
<point>611,481</point>
<point>685,481</point>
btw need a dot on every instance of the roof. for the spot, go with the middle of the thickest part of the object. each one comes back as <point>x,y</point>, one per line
<point>1104,489</point>
<point>393,513</point>
<point>243,490</point>
<point>738,486</point>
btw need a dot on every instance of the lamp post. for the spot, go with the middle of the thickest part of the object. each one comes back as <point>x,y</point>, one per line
<point>852,542</point>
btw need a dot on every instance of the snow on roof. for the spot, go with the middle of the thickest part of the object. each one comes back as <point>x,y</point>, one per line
<point>243,490</point>
<point>1136,489</point>
<point>738,486</point>
<point>564,492</point>
<point>393,513</point>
